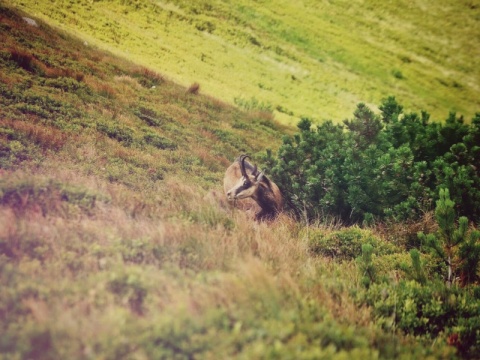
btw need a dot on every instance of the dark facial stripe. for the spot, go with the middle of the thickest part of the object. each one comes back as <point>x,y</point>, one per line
<point>245,185</point>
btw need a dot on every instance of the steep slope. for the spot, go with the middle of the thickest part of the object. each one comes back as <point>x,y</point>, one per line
<point>114,238</point>
<point>307,58</point>
<point>79,94</point>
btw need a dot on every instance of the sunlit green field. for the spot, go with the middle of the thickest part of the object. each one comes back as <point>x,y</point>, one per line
<point>309,58</point>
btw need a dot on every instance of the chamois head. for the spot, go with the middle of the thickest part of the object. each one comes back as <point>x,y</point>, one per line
<point>243,180</point>
<point>247,185</point>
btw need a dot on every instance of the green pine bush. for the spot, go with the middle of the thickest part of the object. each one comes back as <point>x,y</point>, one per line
<point>390,165</point>
<point>451,237</point>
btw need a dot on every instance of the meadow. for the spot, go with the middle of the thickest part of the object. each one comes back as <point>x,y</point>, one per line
<point>314,59</point>
<point>116,241</point>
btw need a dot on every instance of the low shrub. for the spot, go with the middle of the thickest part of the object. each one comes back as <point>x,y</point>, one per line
<point>129,288</point>
<point>432,311</point>
<point>68,84</point>
<point>150,116</point>
<point>116,131</point>
<point>46,195</point>
<point>14,149</point>
<point>346,244</point>
<point>26,133</point>
<point>49,110</point>
<point>26,60</point>
<point>429,303</point>
<point>159,142</point>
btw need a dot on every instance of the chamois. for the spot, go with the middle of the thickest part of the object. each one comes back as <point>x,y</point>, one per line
<point>244,183</point>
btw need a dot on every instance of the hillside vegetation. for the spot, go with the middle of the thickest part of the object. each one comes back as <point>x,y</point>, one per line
<point>116,242</point>
<point>299,58</point>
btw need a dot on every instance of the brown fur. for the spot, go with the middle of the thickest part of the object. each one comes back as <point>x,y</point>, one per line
<point>265,201</point>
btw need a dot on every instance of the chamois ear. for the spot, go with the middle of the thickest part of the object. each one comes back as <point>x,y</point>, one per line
<point>255,171</point>
<point>259,177</point>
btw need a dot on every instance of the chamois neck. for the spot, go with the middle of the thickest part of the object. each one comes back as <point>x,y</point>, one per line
<point>266,200</point>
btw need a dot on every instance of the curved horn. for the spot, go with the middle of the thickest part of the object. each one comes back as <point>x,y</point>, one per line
<point>242,165</point>
<point>241,157</point>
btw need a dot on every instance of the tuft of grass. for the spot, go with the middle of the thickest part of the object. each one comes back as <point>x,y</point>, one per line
<point>25,60</point>
<point>193,89</point>
<point>398,74</point>
<point>147,77</point>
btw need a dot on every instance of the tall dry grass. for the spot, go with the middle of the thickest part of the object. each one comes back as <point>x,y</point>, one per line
<point>162,270</point>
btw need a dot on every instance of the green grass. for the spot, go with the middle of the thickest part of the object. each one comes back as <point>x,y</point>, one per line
<point>115,238</point>
<point>310,58</point>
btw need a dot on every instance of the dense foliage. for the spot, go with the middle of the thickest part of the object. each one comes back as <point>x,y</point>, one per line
<point>378,166</point>
<point>427,303</point>
<point>456,246</point>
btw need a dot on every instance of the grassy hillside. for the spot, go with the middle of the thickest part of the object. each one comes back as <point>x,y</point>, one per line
<point>308,58</point>
<point>116,243</point>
